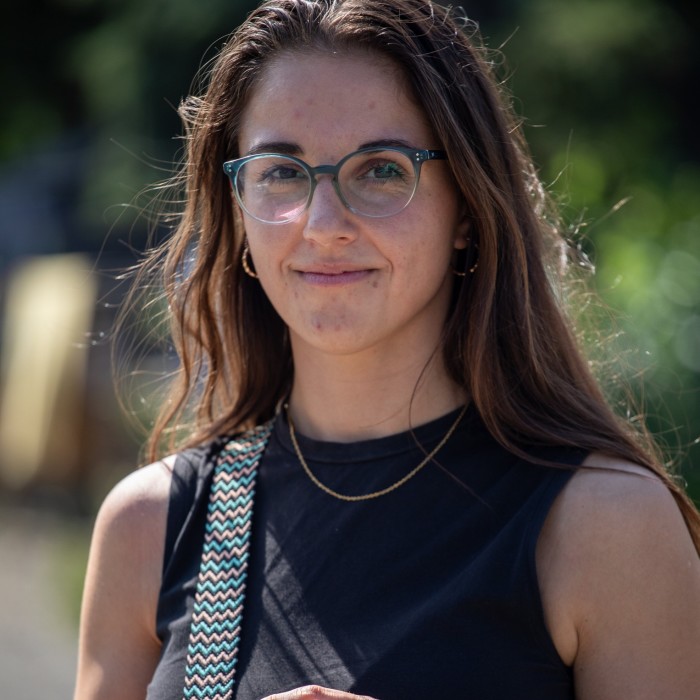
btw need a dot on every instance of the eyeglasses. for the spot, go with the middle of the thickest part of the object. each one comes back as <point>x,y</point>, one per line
<point>375,182</point>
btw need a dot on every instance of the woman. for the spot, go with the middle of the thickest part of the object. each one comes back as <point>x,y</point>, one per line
<point>445,506</point>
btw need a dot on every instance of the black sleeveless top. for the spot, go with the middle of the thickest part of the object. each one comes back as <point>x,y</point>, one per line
<point>429,591</point>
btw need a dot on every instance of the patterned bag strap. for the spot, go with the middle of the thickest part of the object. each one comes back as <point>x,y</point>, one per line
<point>218,603</point>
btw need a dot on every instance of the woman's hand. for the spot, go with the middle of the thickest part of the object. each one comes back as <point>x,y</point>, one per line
<point>316,692</point>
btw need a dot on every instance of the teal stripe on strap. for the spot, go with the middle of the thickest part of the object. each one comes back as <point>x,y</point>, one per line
<point>218,604</point>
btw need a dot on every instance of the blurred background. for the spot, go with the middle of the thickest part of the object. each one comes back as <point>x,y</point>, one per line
<point>608,93</point>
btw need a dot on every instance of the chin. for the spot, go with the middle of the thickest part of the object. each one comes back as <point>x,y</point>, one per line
<point>331,340</point>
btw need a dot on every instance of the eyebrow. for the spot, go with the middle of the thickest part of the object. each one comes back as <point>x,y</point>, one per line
<point>285,147</point>
<point>294,149</point>
<point>384,143</point>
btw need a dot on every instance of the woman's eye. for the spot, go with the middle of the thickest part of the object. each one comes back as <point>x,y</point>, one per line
<point>384,170</point>
<point>281,172</point>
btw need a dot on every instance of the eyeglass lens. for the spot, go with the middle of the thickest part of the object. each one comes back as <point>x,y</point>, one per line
<point>276,188</point>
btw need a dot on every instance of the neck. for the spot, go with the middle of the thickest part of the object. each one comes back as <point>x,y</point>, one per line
<point>350,398</point>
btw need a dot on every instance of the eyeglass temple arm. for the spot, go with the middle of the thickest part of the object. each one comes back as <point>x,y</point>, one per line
<point>428,154</point>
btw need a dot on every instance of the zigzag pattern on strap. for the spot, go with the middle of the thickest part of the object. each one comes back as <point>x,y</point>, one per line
<point>218,603</point>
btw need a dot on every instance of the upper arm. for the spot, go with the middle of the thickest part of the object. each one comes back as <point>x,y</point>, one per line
<point>118,647</point>
<point>621,587</point>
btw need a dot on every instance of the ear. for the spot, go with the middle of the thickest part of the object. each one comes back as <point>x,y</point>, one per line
<point>460,239</point>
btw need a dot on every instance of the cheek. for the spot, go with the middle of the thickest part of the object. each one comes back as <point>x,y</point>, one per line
<point>421,266</point>
<point>270,249</point>
<point>274,286</point>
<point>428,239</point>
<point>263,257</point>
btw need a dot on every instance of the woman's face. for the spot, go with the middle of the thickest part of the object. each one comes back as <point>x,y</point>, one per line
<point>342,282</point>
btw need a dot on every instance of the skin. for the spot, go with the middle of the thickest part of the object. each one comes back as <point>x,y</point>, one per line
<point>618,573</point>
<point>359,345</point>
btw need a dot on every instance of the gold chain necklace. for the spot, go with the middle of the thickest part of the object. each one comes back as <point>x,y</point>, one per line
<point>374,494</point>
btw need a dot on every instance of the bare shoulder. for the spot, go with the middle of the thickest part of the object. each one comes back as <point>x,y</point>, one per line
<point>621,508</point>
<point>119,646</point>
<point>620,582</point>
<point>129,533</point>
<point>615,513</point>
<point>139,497</point>
<point>610,492</point>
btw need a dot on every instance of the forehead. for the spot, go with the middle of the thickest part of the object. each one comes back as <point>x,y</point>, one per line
<point>332,100</point>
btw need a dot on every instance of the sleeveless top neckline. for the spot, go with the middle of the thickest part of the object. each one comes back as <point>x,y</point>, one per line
<point>430,589</point>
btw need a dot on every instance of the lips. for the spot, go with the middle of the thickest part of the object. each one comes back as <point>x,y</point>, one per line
<point>333,274</point>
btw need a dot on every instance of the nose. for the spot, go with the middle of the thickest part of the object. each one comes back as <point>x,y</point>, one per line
<point>328,220</point>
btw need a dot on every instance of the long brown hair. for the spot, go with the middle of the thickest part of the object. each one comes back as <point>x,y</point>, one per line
<point>508,340</point>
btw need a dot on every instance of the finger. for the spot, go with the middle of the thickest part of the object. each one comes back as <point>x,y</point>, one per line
<point>316,692</point>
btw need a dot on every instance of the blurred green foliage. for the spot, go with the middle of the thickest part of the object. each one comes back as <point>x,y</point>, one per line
<point>603,87</point>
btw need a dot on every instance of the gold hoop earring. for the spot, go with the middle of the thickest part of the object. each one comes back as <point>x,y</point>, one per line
<point>459,273</point>
<point>244,261</point>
